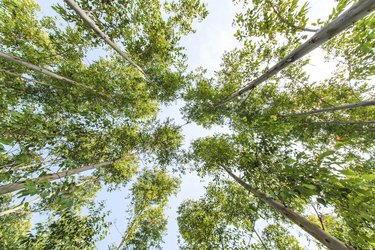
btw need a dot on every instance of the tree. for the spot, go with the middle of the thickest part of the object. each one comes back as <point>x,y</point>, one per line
<point>61,114</point>
<point>290,159</point>
<point>150,195</point>
<point>69,230</point>
<point>275,237</point>
<point>222,219</point>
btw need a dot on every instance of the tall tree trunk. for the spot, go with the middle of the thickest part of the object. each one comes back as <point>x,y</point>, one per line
<point>347,106</point>
<point>312,229</point>
<point>129,229</point>
<point>355,13</point>
<point>48,72</point>
<point>94,27</point>
<point>19,207</point>
<point>20,185</point>
<point>344,123</point>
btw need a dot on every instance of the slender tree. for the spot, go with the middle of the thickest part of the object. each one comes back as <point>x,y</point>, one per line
<point>326,239</point>
<point>358,11</point>
<point>93,26</point>
<point>150,194</point>
<point>342,107</point>
<point>51,177</point>
<point>46,72</point>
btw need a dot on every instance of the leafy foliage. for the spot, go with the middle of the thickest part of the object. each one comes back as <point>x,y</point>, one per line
<point>108,113</point>
<point>150,195</point>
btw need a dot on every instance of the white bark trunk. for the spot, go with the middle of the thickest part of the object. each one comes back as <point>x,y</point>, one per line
<point>94,27</point>
<point>48,72</point>
<point>348,106</point>
<point>19,207</point>
<point>312,229</point>
<point>355,13</point>
<point>19,185</point>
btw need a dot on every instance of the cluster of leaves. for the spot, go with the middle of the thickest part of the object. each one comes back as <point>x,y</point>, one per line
<point>69,230</point>
<point>225,219</point>
<point>150,194</point>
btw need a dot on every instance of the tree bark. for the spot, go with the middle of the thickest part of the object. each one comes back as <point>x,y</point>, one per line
<point>20,185</point>
<point>105,37</point>
<point>344,123</point>
<point>128,230</point>
<point>312,229</point>
<point>19,207</point>
<point>347,106</point>
<point>355,13</point>
<point>48,73</point>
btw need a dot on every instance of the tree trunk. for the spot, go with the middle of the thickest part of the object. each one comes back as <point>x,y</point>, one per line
<point>348,106</point>
<point>19,207</point>
<point>48,72</point>
<point>344,123</point>
<point>312,229</point>
<point>20,185</point>
<point>94,27</point>
<point>128,230</point>
<point>355,13</point>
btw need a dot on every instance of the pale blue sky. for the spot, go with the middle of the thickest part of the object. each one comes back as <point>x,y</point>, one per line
<point>204,48</point>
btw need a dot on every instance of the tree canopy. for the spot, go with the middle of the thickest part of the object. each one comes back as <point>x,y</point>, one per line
<point>80,102</point>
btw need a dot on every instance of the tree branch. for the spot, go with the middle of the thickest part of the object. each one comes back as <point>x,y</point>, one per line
<point>287,22</point>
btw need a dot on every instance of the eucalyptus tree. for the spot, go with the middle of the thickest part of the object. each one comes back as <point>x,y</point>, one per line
<point>96,112</point>
<point>62,114</point>
<point>291,159</point>
<point>69,230</point>
<point>148,223</point>
<point>224,218</point>
<point>148,31</point>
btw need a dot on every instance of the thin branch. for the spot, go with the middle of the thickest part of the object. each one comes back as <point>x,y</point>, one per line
<point>260,239</point>
<point>310,90</point>
<point>19,207</point>
<point>319,216</point>
<point>25,78</point>
<point>287,22</point>
<point>8,188</point>
<point>129,228</point>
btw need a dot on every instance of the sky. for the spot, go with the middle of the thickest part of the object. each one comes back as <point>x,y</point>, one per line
<point>204,49</point>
